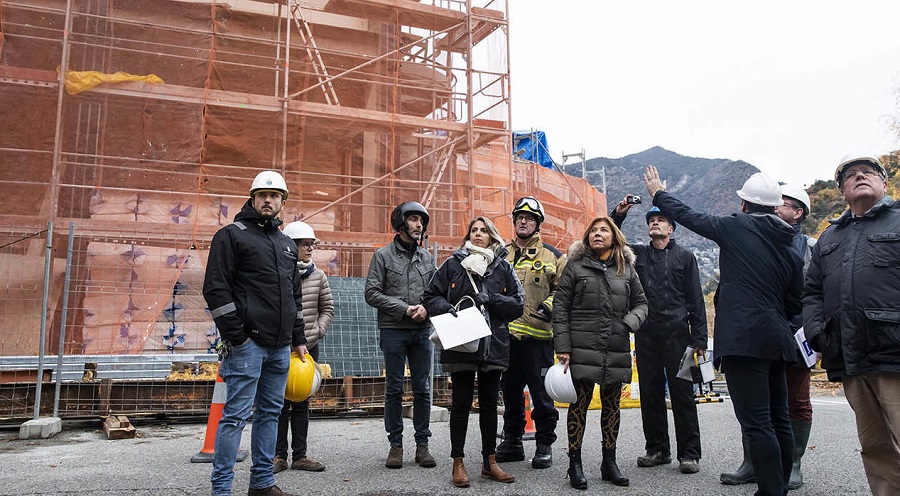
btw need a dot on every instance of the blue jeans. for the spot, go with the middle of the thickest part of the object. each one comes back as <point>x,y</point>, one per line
<point>253,375</point>
<point>398,346</point>
<point>758,390</point>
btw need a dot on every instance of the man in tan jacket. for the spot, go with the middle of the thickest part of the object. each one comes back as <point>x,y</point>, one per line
<point>538,267</point>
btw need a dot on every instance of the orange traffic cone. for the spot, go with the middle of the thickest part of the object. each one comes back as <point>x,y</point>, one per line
<point>529,424</point>
<point>212,425</point>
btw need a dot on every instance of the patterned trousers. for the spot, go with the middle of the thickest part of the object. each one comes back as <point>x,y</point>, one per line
<point>610,415</point>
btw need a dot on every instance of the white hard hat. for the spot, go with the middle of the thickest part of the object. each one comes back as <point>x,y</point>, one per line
<point>270,180</point>
<point>559,384</point>
<point>299,230</point>
<point>857,158</point>
<point>797,193</point>
<point>761,190</point>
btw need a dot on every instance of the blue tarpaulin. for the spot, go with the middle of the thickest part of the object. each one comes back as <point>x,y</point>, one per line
<point>532,146</point>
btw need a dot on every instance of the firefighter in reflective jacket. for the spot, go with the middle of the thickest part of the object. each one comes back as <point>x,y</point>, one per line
<point>538,266</point>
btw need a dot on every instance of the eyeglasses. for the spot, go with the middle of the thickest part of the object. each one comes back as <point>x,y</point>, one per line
<point>309,245</point>
<point>529,219</point>
<point>865,170</point>
<point>792,205</point>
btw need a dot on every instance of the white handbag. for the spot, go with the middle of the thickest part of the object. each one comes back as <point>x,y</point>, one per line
<point>464,331</point>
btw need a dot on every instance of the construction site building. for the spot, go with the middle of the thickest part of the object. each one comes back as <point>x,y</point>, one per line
<point>138,126</point>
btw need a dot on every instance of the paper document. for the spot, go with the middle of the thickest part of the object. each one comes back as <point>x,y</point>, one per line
<point>808,354</point>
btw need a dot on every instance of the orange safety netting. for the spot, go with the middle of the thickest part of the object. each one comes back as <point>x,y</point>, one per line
<point>360,104</point>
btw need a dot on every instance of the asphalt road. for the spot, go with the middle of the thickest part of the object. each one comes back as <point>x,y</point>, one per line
<point>81,461</point>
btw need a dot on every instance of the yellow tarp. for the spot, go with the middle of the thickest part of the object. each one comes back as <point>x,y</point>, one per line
<point>78,81</point>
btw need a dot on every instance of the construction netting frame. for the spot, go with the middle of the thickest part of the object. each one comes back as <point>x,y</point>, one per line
<point>143,128</point>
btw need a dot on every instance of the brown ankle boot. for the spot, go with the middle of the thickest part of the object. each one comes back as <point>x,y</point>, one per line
<point>460,477</point>
<point>493,471</point>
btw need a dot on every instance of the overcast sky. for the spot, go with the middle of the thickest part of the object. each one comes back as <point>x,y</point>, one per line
<point>788,86</point>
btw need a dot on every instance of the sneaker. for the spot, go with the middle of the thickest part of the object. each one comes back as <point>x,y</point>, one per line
<point>689,466</point>
<point>654,459</point>
<point>308,464</point>
<point>280,464</point>
<point>423,457</point>
<point>395,457</point>
<point>269,491</point>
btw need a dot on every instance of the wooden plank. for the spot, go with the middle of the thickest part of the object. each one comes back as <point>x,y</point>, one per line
<point>409,13</point>
<point>118,427</point>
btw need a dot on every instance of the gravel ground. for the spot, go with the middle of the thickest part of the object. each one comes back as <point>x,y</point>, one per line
<point>80,461</point>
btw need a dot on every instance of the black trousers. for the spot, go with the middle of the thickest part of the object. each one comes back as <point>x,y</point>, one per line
<point>529,360</point>
<point>461,405</point>
<point>758,390</point>
<point>297,415</point>
<point>657,362</point>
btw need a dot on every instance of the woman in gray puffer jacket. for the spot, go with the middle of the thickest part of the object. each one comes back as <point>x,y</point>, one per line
<point>598,302</point>
<point>317,312</point>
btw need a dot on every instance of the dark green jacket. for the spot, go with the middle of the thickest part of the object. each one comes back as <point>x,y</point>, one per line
<point>594,311</point>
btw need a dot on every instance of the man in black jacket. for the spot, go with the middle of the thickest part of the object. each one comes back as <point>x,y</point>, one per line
<point>677,319</point>
<point>252,288</point>
<point>760,285</point>
<point>851,313</point>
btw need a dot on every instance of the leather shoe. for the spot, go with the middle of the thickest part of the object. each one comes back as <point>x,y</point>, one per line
<point>395,457</point>
<point>279,465</point>
<point>423,457</point>
<point>543,457</point>
<point>269,491</point>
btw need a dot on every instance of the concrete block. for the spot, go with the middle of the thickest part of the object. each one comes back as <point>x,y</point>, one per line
<point>438,414</point>
<point>43,428</point>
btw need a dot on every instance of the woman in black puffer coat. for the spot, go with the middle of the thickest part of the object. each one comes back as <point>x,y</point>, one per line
<point>598,302</point>
<point>481,259</point>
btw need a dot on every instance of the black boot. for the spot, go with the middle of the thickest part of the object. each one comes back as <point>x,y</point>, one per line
<point>576,472</point>
<point>744,474</point>
<point>510,450</point>
<point>609,469</point>
<point>801,439</point>
<point>543,457</point>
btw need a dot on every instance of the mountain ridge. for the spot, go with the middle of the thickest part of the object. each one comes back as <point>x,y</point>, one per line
<point>706,185</point>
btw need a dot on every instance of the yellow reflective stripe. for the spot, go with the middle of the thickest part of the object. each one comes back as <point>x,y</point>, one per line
<point>531,331</point>
<point>526,263</point>
<point>549,302</point>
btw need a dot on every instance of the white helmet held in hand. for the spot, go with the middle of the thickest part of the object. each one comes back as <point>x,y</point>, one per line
<point>269,180</point>
<point>299,230</point>
<point>559,384</point>
<point>761,190</point>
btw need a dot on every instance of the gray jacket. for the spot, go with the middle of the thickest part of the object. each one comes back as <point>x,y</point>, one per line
<point>851,305</point>
<point>397,279</point>
<point>318,305</point>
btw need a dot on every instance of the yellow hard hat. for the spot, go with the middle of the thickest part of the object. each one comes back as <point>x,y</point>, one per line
<point>303,380</point>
